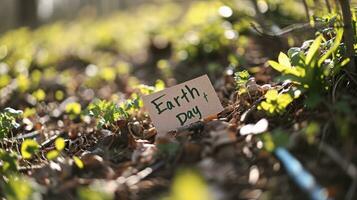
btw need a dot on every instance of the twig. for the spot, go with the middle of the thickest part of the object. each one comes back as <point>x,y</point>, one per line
<point>26,135</point>
<point>32,167</point>
<point>288,29</point>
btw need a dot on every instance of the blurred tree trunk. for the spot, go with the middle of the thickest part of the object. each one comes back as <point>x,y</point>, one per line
<point>348,33</point>
<point>27,13</point>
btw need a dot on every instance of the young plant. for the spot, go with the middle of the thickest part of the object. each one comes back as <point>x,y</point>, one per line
<point>312,71</point>
<point>8,161</point>
<point>8,121</point>
<point>107,112</point>
<point>241,79</point>
<point>275,103</point>
<point>73,109</point>
<point>59,145</point>
<point>28,148</point>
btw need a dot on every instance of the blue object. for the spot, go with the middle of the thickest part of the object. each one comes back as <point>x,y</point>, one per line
<point>301,176</point>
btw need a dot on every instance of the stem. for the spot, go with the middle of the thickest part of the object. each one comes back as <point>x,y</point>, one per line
<point>348,33</point>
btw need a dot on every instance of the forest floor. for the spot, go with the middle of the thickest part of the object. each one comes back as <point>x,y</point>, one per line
<point>123,159</point>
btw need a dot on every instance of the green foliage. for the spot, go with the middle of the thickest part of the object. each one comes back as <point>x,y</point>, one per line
<point>20,188</point>
<point>8,121</point>
<point>107,112</point>
<point>28,148</point>
<point>312,71</point>
<point>73,109</point>
<point>241,79</point>
<point>59,145</point>
<point>39,94</point>
<point>53,154</point>
<point>275,103</point>
<point>8,161</point>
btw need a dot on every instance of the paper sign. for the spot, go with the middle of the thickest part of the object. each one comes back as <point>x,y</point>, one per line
<point>182,104</point>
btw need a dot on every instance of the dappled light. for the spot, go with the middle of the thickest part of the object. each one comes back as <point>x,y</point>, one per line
<point>178,100</point>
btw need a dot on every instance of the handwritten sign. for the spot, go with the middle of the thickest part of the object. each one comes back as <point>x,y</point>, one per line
<point>182,104</point>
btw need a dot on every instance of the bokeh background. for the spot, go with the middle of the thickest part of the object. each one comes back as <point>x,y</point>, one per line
<point>63,59</point>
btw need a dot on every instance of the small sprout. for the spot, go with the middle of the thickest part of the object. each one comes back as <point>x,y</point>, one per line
<point>8,161</point>
<point>159,85</point>
<point>241,79</point>
<point>60,144</point>
<point>78,162</point>
<point>8,121</point>
<point>59,95</point>
<point>28,112</point>
<point>73,108</point>
<point>107,112</point>
<point>275,103</point>
<point>39,95</point>
<point>28,148</point>
<point>53,154</point>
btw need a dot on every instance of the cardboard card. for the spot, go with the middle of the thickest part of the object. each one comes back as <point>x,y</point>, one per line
<point>182,104</point>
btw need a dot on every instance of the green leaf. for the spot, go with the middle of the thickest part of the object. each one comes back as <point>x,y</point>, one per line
<point>284,60</point>
<point>60,144</point>
<point>313,50</point>
<point>28,148</point>
<point>335,45</point>
<point>278,67</point>
<point>275,103</point>
<point>159,85</point>
<point>241,77</point>
<point>53,154</point>
<point>9,161</point>
<point>78,162</point>
<point>73,108</point>
<point>8,121</point>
